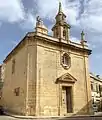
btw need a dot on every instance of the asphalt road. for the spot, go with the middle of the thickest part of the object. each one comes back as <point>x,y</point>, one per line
<point>77,118</point>
<point>7,118</point>
<point>83,118</point>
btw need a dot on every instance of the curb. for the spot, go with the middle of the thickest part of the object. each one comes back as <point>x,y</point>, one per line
<point>50,117</point>
<point>33,117</point>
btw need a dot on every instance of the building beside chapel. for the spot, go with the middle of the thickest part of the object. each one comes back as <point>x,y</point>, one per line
<point>1,79</point>
<point>96,92</point>
<point>48,75</point>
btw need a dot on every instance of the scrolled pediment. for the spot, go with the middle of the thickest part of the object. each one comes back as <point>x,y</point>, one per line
<point>66,78</point>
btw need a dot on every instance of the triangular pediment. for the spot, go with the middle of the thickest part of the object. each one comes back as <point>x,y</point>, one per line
<point>66,78</point>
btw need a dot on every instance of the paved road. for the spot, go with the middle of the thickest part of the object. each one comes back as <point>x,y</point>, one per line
<point>77,118</point>
<point>83,118</point>
<point>7,118</point>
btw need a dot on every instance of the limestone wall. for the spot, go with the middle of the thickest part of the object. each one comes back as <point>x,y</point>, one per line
<point>49,68</point>
<point>14,80</point>
<point>31,77</point>
<point>38,64</point>
<point>47,101</point>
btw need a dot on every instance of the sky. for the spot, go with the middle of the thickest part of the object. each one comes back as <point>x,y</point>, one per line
<point>17,17</point>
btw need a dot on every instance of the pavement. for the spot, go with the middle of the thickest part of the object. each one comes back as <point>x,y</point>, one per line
<point>73,118</point>
<point>9,116</point>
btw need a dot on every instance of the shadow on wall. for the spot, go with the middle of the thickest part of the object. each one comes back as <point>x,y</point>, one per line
<point>86,110</point>
<point>10,109</point>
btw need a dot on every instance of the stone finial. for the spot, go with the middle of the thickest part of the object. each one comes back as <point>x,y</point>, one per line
<point>82,35</point>
<point>83,41</point>
<point>60,7</point>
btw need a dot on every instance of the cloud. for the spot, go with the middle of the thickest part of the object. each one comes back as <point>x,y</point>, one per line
<point>72,9</point>
<point>11,10</point>
<point>84,14</point>
<point>92,46</point>
<point>81,13</point>
<point>98,56</point>
<point>47,10</point>
<point>29,22</point>
<point>74,39</point>
<point>14,42</point>
<point>50,10</point>
<point>91,18</point>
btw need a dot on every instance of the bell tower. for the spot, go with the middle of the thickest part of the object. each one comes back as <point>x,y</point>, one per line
<point>61,29</point>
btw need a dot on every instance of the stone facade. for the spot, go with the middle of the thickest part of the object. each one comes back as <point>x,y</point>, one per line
<point>49,70</point>
<point>48,75</point>
<point>14,80</point>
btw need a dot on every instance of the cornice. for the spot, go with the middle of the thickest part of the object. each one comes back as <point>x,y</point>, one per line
<point>68,45</point>
<point>48,39</point>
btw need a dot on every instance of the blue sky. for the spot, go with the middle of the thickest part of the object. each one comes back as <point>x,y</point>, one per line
<point>17,17</point>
